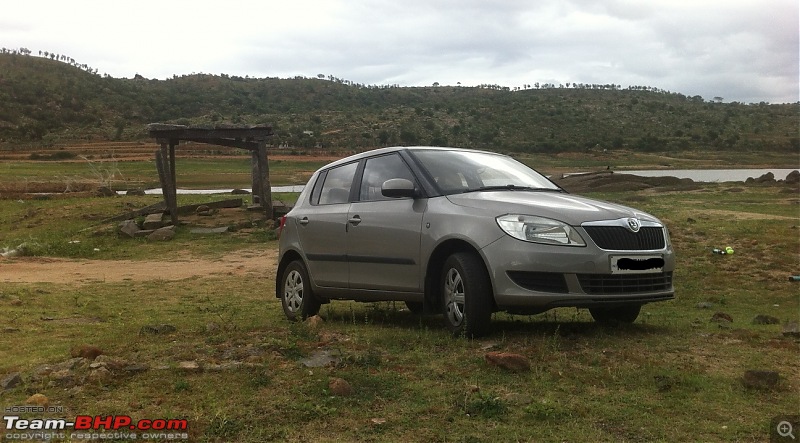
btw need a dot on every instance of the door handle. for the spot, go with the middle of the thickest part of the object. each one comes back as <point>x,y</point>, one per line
<point>354,220</point>
<point>303,221</point>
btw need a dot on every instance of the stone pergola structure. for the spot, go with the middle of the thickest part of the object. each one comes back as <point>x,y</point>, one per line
<point>251,138</point>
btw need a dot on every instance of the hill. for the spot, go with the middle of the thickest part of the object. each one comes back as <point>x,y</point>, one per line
<point>47,102</point>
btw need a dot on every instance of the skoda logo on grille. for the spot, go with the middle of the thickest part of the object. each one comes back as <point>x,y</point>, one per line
<point>634,224</point>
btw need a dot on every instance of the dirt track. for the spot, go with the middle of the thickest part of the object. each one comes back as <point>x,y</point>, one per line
<point>66,271</point>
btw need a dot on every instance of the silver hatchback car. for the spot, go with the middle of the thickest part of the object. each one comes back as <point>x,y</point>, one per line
<point>465,233</point>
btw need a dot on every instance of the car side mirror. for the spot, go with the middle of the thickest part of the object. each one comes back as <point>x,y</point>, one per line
<point>398,188</point>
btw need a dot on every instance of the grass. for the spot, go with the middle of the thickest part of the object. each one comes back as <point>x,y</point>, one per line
<point>671,376</point>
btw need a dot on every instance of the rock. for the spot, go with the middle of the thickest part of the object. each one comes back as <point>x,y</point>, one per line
<point>791,329</point>
<point>766,178</point>
<point>220,230</point>
<point>99,376</point>
<point>765,320</point>
<point>321,358</point>
<point>135,192</point>
<point>157,329</point>
<point>793,177</point>
<point>153,221</point>
<point>762,380</point>
<point>240,192</point>
<point>663,382</point>
<point>63,378</point>
<point>105,191</point>
<point>189,366</point>
<point>340,387</point>
<point>212,328</point>
<point>85,351</point>
<point>129,228</point>
<point>721,317</point>
<point>9,330</point>
<point>166,233</point>
<point>314,322</point>
<point>704,305</point>
<point>11,381</point>
<point>202,208</point>
<point>15,302</point>
<point>38,400</point>
<point>508,361</point>
<point>136,368</point>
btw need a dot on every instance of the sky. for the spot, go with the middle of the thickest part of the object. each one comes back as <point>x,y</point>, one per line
<point>737,50</point>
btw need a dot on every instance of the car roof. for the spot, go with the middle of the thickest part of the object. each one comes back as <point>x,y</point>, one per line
<point>387,150</point>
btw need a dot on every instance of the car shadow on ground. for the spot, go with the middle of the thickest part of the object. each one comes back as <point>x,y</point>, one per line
<point>564,322</point>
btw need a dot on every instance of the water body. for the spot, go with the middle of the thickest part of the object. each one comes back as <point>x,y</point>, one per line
<point>698,175</point>
<point>712,175</point>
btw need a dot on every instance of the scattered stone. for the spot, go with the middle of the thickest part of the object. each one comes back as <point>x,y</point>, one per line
<point>761,380</point>
<point>791,329</point>
<point>765,320</point>
<point>10,330</point>
<point>153,221</point>
<point>240,192</point>
<point>340,387</point>
<point>202,208</point>
<point>220,230</point>
<point>663,383</point>
<point>157,329</point>
<point>98,365</point>
<point>793,177</point>
<point>38,400</point>
<point>508,361</point>
<point>378,421</point>
<point>704,305</point>
<point>129,228</point>
<point>212,327</point>
<point>189,366</point>
<point>166,233</point>
<point>105,191</point>
<point>99,376</point>
<point>85,351</point>
<point>135,192</point>
<point>15,302</point>
<point>721,317</point>
<point>63,378</point>
<point>314,322</point>
<point>691,220</point>
<point>321,358</point>
<point>11,381</point>
<point>136,368</point>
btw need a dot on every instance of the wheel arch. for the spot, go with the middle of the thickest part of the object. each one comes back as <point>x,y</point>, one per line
<point>433,271</point>
<point>288,257</point>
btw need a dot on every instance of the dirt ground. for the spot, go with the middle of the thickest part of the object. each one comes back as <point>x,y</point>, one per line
<point>66,271</point>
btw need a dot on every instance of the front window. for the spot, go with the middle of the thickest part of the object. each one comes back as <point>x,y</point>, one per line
<point>466,171</point>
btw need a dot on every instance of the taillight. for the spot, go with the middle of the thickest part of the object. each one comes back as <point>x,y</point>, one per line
<point>281,225</point>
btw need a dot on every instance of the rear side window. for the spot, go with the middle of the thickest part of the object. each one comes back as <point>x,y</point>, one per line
<point>336,187</point>
<point>378,170</point>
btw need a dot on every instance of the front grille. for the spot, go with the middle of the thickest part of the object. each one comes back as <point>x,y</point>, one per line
<point>540,281</point>
<point>604,284</point>
<point>621,239</point>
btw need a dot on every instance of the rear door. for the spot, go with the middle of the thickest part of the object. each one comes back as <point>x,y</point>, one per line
<point>322,228</point>
<point>383,234</point>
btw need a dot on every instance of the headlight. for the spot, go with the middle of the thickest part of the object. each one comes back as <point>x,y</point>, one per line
<point>539,230</point>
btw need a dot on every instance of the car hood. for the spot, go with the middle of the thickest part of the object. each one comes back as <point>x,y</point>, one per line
<point>570,209</point>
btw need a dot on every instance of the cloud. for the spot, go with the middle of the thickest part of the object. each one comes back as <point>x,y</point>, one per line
<point>744,50</point>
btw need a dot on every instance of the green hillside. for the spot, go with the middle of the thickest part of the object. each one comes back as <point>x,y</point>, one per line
<point>49,102</point>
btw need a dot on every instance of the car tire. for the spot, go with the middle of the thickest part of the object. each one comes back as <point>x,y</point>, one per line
<point>622,314</point>
<point>297,298</point>
<point>467,295</point>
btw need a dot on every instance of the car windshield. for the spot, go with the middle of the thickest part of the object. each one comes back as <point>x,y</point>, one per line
<point>469,171</point>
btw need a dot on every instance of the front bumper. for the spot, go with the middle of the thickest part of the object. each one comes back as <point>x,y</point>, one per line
<point>535,276</point>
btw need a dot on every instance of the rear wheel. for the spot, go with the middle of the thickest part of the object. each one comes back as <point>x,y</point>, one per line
<point>621,314</point>
<point>297,297</point>
<point>467,295</point>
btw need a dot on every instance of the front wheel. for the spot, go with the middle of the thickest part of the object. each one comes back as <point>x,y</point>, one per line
<point>467,294</point>
<point>622,314</point>
<point>296,296</point>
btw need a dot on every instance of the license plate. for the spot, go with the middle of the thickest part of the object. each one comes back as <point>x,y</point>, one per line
<point>637,264</point>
